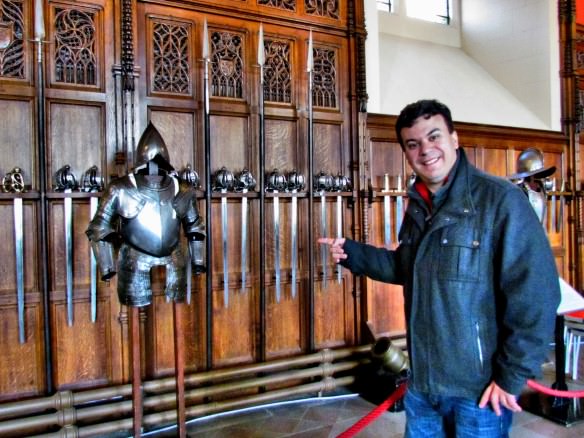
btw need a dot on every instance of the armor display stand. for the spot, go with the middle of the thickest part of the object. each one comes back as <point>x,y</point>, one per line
<point>179,368</point>
<point>136,370</point>
<point>565,411</point>
<point>144,211</point>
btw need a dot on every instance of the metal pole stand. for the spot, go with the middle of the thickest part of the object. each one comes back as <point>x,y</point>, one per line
<point>136,370</point>
<point>179,364</point>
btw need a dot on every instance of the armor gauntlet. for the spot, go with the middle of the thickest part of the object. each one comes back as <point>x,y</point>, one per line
<point>197,251</point>
<point>104,256</point>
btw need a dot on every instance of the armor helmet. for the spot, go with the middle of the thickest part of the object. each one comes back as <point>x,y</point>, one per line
<point>151,147</point>
<point>530,163</point>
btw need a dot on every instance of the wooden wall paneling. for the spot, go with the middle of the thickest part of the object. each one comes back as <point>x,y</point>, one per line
<point>21,378</point>
<point>17,138</point>
<point>80,133</point>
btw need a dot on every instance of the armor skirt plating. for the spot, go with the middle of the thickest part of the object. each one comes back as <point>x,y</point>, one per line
<point>134,284</point>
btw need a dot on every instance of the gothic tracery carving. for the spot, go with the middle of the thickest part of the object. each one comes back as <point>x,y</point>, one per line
<point>171,61</point>
<point>11,36</point>
<point>75,60</point>
<point>277,72</point>
<point>226,64</point>
<point>289,5</point>
<point>324,86</point>
<point>323,8</point>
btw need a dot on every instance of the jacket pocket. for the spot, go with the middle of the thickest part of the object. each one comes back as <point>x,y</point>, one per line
<point>459,257</point>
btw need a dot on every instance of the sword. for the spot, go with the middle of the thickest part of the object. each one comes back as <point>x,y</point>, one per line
<point>66,183</point>
<point>92,182</point>
<point>341,183</point>
<point>553,207</point>
<point>245,182</point>
<point>399,206</point>
<point>386,211</point>
<point>276,183</point>
<point>14,182</point>
<point>323,183</point>
<point>560,221</point>
<point>191,177</point>
<point>224,182</point>
<point>295,184</point>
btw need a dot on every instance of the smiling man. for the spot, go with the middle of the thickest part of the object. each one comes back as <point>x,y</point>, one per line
<point>480,284</point>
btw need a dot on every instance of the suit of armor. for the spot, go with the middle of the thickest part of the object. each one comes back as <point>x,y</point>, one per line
<point>145,210</point>
<point>532,177</point>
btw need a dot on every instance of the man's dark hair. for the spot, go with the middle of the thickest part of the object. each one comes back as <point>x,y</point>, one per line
<point>422,108</point>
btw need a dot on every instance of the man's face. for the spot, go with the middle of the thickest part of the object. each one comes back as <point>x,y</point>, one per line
<point>430,149</point>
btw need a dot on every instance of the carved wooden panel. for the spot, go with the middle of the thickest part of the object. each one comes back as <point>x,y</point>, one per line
<point>17,138</point>
<point>178,131</point>
<point>76,58</point>
<point>12,35</point>
<point>76,138</point>
<point>287,5</point>
<point>171,57</point>
<point>324,8</point>
<point>227,64</point>
<point>278,71</point>
<point>325,81</point>
<point>22,374</point>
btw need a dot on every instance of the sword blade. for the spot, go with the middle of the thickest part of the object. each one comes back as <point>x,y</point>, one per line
<point>553,213</point>
<point>277,245</point>
<point>19,252</point>
<point>93,287</point>
<point>387,220</point>
<point>323,249</point>
<point>68,212</point>
<point>339,232</point>
<point>294,239</point>
<point>243,240</point>
<point>225,259</point>
<point>399,212</point>
<point>189,277</point>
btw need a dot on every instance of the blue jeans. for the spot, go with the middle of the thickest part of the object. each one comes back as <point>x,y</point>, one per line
<point>441,416</point>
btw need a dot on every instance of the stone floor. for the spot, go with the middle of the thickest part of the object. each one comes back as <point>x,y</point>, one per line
<point>329,416</point>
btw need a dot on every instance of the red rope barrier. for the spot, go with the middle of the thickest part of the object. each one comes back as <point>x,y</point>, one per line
<point>555,392</point>
<point>400,391</point>
<point>363,422</point>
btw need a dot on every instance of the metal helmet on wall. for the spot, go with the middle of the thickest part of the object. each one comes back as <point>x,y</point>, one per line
<point>151,147</point>
<point>530,163</point>
<point>532,176</point>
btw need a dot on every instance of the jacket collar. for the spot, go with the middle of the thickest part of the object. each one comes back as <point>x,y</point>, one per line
<point>458,202</point>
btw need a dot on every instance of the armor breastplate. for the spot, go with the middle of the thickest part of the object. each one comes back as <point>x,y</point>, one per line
<point>154,228</point>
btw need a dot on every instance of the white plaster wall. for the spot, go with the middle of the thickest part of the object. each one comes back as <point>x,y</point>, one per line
<point>497,64</point>
<point>517,42</point>
<point>414,70</point>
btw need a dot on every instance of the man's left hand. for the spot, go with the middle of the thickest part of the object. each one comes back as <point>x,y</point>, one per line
<point>497,397</point>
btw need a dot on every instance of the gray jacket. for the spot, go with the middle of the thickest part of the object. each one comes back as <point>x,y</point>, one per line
<point>480,285</point>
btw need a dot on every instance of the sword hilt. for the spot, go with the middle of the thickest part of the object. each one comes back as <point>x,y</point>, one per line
<point>224,180</point>
<point>276,182</point>
<point>190,176</point>
<point>13,182</point>
<point>245,181</point>
<point>92,181</point>
<point>64,179</point>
